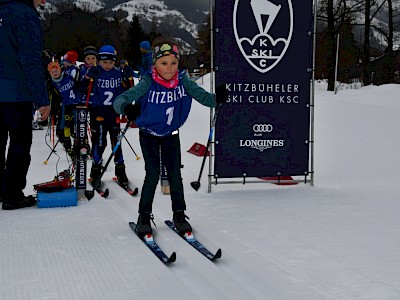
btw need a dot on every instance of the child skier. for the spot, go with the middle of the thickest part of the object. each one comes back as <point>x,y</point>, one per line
<point>147,60</point>
<point>160,105</point>
<point>107,84</point>
<point>66,83</point>
<point>89,60</point>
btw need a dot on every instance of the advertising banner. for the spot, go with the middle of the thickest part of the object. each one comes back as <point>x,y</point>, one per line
<point>82,138</point>
<point>263,56</point>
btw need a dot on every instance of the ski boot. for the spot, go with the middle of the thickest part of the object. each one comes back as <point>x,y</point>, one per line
<point>95,173</point>
<point>120,173</point>
<point>143,225</point>
<point>181,224</point>
<point>68,147</point>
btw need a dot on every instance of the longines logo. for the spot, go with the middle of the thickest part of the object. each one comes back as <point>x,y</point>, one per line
<point>261,145</point>
<point>263,50</point>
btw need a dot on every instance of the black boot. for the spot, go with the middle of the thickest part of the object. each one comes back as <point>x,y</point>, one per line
<point>120,173</point>
<point>95,172</point>
<point>181,224</point>
<point>143,225</point>
<point>24,202</point>
<point>67,144</point>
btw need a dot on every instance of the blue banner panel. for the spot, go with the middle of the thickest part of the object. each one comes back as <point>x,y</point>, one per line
<point>263,55</point>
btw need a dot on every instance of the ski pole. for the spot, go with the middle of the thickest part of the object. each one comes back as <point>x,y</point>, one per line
<point>196,184</point>
<point>52,129</point>
<point>89,194</point>
<point>87,105</point>
<point>137,157</point>
<point>53,150</point>
<point>89,91</point>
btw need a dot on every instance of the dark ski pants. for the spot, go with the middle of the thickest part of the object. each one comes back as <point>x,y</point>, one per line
<point>16,130</point>
<point>103,120</point>
<point>171,156</point>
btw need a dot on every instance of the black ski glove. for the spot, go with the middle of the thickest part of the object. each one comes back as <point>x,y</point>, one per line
<point>127,73</point>
<point>221,94</point>
<point>94,72</point>
<point>132,111</point>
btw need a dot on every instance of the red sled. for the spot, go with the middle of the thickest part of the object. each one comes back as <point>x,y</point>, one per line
<point>198,150</point>
<point>280,178</point>
<point>60,182</point>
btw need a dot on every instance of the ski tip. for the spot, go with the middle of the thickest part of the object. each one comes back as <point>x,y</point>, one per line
<point>217,255</point>
<point>89,194</point>
<point>45,162</point>
<point>134,192</point>
<point>195,185</point>
<point>171,259</point>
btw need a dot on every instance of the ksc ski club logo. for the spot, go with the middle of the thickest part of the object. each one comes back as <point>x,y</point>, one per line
<point>263,31</point>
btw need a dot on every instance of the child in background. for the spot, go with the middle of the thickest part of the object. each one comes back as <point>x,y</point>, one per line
<point>160,105</point>
<point>66,84</point>
<point>147,59</point>
<point>89,60</point>
<point>89,56</point>
<point>107,85</point>
<point>127,72</point>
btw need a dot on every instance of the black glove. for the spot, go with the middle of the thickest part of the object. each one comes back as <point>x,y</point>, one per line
<point>94,72</point>
<point>221,94</point>
<point>127,72</point>
<point>132,111</point>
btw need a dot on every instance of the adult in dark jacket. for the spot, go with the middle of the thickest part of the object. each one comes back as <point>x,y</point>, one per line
<point>22,86</point>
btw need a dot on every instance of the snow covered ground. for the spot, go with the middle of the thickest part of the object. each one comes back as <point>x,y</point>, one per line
<point>338,239</point>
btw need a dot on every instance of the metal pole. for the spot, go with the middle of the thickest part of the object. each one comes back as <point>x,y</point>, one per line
<point>337,61</point>
<point>211,87</point>
<point>312,100</point>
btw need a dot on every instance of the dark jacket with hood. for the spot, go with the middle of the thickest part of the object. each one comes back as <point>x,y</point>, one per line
<point>22,76</point>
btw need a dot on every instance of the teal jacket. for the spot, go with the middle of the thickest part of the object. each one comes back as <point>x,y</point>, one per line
<point>138,91</point>
<point>163,110</point>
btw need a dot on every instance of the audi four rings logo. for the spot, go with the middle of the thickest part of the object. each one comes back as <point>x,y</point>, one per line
<point>262,128</point>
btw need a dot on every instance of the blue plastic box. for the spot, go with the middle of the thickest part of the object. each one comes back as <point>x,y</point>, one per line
<point>67,197</point>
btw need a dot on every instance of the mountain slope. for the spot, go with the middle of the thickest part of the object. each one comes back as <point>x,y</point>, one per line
<point>177,19</point>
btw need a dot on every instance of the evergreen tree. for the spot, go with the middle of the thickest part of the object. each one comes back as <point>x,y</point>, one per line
<point>71,28</point>
<point>203,53</point>
<point>134,37</point>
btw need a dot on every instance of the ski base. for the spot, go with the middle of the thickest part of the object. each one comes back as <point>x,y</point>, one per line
<point>152,245</point>
<point>189,237</point>
<point>131,191</point>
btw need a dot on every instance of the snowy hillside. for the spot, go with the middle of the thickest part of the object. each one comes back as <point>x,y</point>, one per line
<point>156,11</point>
<point>338,239</point>
<point>89,5</point>
<point>177,19</point>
